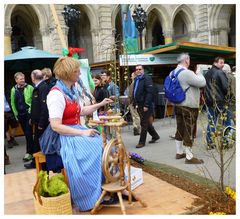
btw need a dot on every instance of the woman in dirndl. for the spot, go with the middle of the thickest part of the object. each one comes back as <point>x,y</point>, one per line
<point>81,148</point>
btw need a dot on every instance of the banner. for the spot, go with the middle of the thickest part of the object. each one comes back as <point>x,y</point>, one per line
<point>130,35</point>
<point>86,75</point>
<point>148,59</point>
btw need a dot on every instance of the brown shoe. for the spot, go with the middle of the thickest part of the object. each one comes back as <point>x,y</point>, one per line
<point>6,160</point>
<point>140,145</point>
<point>180,156</point>
<point>194,160</point>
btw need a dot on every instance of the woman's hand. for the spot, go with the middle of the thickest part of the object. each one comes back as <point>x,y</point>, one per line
<point>90,132</point>
<point>106,101</point>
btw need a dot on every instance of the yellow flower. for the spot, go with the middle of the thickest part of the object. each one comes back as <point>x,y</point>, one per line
<point>217,213</point>
<point>230,193</point>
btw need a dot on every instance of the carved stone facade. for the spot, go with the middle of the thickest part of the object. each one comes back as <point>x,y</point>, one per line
<point>207,23</point>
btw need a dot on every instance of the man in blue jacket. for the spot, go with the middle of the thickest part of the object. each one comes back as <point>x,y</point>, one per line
<point>143,101</point>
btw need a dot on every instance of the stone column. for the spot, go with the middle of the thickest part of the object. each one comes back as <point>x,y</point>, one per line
<point>214,34</point>
<point>143,39</point>
<point>223,36</point>
<point>46,42</point>
<point>149,39</point>
<point>95,44</point>
<point>168,36</point>
<point>105,36</point>
<point>7,41</point>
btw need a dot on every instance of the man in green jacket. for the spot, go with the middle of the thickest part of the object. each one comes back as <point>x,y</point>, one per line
<point>21,99</point>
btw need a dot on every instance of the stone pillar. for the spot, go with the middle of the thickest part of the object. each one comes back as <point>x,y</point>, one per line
<point>168,36</point>
<point>223,36</point>
<point>214,34</point>
<point>37,39</point>
<point>95,44</point>
<point>149,39</point>
<point>106,38</point>
<point>143,39</point>
<point>7,41</point>
<point>46,42</point>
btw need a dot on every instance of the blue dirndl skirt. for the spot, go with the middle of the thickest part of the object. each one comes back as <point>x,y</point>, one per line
<point>82,159</point>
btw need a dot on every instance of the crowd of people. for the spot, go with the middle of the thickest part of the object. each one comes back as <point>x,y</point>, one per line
<point>64,102</point>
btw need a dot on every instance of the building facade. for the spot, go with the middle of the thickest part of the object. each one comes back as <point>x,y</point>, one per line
<point>99,27</point>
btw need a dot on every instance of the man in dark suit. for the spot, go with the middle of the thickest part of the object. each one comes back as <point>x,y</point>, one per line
<point>143,101</point>
<point>39,111</point>
<point>216,91</point>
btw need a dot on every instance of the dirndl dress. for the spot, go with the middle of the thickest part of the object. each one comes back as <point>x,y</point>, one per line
<point>82,160</point>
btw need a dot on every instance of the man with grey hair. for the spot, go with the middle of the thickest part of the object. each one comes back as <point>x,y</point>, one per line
<point>39,111</point>
<point>187,111</point>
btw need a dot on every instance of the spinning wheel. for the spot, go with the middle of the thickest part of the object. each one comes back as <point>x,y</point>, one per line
<point>111,165</point>
<point>114,161</point>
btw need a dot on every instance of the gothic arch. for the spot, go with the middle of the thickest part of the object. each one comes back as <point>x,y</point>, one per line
<point>39,10</point>
<point>162,15</point>
<point>115,11</point>
<point>187,15</point>
<point>25,24</point>
<point>219,16</point>
<point>219,25</point>
<point>154,29</point>
<point>92,15</point>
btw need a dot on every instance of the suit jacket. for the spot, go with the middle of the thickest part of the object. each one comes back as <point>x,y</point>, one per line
<point>39,110</point>
<point>144,92</point>
<point>217,87</point>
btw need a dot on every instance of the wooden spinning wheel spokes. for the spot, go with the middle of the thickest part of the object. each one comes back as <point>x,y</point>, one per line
<point>111,161</point>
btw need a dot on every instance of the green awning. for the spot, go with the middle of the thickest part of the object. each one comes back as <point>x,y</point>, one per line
<point>199,52</point>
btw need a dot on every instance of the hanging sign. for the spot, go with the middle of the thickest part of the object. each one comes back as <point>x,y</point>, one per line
<point>148,59</point>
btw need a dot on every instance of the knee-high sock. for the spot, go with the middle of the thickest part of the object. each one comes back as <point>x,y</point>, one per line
<point>189,154</point>
<point>179,147</point>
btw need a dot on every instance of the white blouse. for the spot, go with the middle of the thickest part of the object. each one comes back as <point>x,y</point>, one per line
<point>56,104</point>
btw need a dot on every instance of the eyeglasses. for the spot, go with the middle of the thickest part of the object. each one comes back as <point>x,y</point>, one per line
<point>138,69</point>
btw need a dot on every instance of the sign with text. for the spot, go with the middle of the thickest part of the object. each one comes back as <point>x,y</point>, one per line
<point>148,59</point>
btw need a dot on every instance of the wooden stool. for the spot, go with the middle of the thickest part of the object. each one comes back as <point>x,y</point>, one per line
<point>40,158</point>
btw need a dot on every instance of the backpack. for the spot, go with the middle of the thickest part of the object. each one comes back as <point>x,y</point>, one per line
<point>173,90</point>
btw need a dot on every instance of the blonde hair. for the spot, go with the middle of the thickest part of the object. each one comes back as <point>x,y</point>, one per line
<point>18,74</point>
<point>47,72</point>
<point>65,67</point>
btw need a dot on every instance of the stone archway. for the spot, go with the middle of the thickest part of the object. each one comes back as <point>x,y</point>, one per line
<point>158,29</point>
<point>219,23</point>
<point>25,25</point>
<point>232,32</point>
<point>183,24</point>
<point>86,31</point>
<point>81,34</point>
<point>154,31</point>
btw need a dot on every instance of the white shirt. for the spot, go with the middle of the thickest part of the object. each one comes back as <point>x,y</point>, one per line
<point>56,104</point>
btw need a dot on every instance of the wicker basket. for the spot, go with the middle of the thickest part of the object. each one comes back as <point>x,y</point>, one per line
<point>51,205</point>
